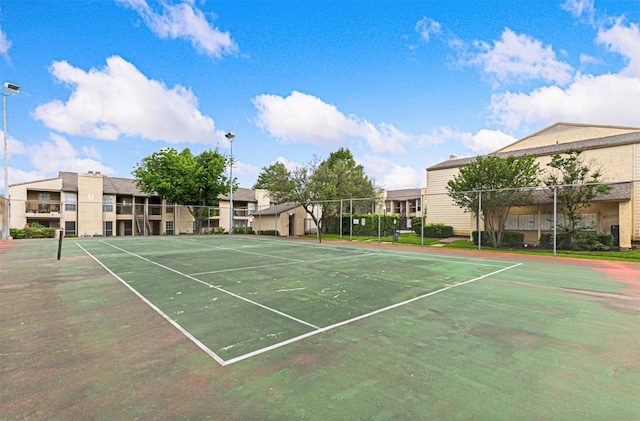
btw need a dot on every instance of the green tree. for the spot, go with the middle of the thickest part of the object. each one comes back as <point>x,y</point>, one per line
<point>274,177</point>
<point>319,185</point>
<point>194,181</point>
<point>577,183</point>
<point>499,183</point>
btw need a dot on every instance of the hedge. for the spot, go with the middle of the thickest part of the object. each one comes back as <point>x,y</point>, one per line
<point>584,241</point>
<point>242,230</point>
<point>437,231</point>
<point>268,232</point>
<point>32,233</point>
<point>370,227</point>
<point>509,239</point>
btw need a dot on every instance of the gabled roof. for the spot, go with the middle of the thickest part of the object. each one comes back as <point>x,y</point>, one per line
<point>600,142</point>
<point>620,192</point>
<point>403,194</point>
<point>110,185</point>
<point>242,195</point>
<point>276,209</point>
<point>568,127</point>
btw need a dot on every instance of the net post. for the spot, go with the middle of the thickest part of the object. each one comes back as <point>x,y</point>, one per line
<point>60,244</point>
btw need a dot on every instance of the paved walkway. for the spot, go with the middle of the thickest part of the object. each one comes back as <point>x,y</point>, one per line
<point>448,240</point>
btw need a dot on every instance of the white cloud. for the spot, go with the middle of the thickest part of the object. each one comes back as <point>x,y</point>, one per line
<point>243,168</point>
<point>289,165</point>
<point>5,44</point>
<point>606,99</point>
<point>520,57</point>
<point>624,40</point>
<point>303,118</point>
<point>610,99</point>
<point>587,59</point>
<point>390,175</point>
<point>427,27</point>
<point>579,8</point>
<point>119,100</point>
<point>486,141</point>
<point>187,22</point>
<point>58,154</point>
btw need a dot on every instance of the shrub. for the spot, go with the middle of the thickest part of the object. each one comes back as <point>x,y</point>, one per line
<point>583,241</point>
<point>19,234</point>
<point>242,230</point>
<point>486,238</point>
<point>512,239</point>
<point>370,227</point>
<point>438,231</point>
<point>268,232</point>
<point>416,224</point>
<point>509,239</point>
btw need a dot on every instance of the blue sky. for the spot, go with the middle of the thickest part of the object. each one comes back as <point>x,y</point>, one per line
<point>402,84</point>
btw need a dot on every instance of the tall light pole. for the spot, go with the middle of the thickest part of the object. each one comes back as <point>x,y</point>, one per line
<point>10,89</point>
<point>230,136</point>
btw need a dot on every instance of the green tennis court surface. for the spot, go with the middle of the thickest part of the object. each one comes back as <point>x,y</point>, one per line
<point>238,296</point>
<point>255,328</point>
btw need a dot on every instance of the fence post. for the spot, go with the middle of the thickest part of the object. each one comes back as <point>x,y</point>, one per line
<point>421,220</point>
<point>340,219</point>
<point>479,212</point>
<point>350,219</point>
<point>555,217</point>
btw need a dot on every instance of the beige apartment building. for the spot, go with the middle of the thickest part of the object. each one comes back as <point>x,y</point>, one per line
<point>406,203</point>
<point>614,150</point>
<point>92,204</point>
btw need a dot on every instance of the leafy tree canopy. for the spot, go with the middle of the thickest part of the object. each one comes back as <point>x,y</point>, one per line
<point>184,179</point>
<point>578,183</point>
<point>502,182</point>
<point>318,185</point>
<point>275,177</point>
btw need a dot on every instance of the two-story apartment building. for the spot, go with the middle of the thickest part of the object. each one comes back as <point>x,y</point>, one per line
<point>406,203</point>
<point>92,204</point>
<point>615,151</point>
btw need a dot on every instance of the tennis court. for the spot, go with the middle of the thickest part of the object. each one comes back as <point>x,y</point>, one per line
<point>247,327</point>
<point>238,296</point>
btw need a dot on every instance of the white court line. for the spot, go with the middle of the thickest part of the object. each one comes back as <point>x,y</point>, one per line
<point>248,252</point>
<point>160,312</point>
<point>292,340</point>
<point>281,264</point>
<point>215,287</point>
<point>363,316</point>
<point>448,259</point>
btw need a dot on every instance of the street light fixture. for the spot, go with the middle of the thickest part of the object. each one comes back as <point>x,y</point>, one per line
<point>230,137</point>
<point>10,89</point>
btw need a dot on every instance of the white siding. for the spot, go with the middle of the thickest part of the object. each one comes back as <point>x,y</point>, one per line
<point>440,207</point>
<point>635,193</point>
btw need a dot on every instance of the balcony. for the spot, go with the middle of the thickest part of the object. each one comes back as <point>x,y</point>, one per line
<point>42,209</point>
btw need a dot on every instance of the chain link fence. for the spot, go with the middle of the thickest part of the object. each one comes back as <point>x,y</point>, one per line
<point>553,218</point>
<point>585,217</point>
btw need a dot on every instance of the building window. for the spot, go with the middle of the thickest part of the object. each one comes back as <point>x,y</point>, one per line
<point>169,227</point>
<point>70,202</point>
<point>108,228</point>
<point>413,206</point>
<point>70,228</point>
<point>419,205</point>
<point>387,205</point>
<point>107,204</point>
<point>170,207</point>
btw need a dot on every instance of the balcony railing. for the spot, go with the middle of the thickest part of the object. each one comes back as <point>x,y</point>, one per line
<point>42,208</point>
